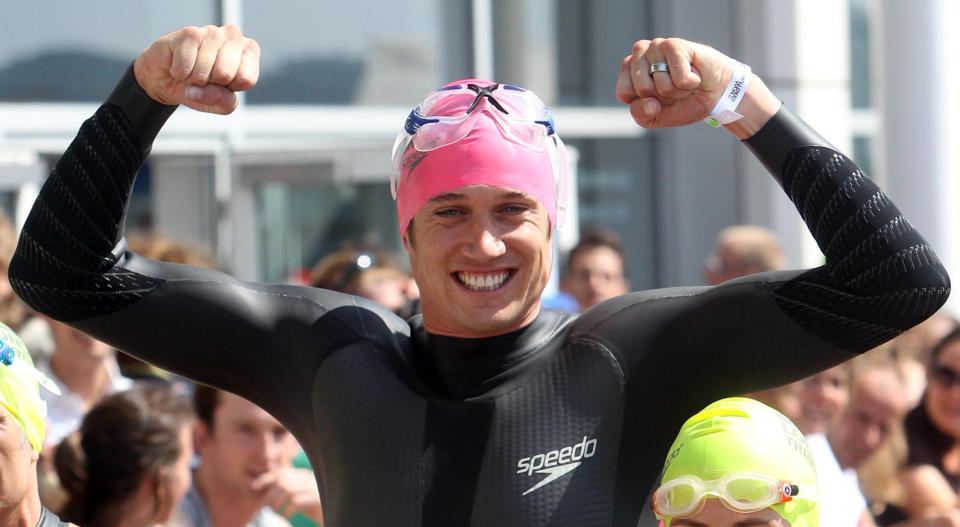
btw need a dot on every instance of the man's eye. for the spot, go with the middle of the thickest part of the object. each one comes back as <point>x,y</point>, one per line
<point>447,212</point>
<point>513,209</point>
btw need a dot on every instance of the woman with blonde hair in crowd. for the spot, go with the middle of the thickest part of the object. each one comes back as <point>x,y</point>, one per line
<point>129,464</point>
<point>372,274</point>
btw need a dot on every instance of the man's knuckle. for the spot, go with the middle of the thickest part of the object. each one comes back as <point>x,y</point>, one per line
<point>672,43</point>
<point>232,30</point>
<point>242,83</point>
<point>220,77</point>
<point>192,32</point>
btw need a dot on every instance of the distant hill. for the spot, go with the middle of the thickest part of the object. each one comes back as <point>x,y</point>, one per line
<point>311,80</point>
<point>81,76</point>
<point>64,76</point>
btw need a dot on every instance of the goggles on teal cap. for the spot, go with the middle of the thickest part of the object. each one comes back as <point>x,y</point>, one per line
<point>739,491</point>
<point>20,386</point>
<point>747,455</point>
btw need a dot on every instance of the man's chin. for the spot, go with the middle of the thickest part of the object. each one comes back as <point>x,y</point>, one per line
<point>492,321</point>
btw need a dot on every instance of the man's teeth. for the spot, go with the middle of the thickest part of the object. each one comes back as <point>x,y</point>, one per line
<point>483,281</point>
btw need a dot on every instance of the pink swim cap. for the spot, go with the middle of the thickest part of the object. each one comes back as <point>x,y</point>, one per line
<point>485,156</point>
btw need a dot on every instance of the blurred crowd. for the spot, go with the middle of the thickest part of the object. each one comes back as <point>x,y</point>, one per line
<point>128,441</point>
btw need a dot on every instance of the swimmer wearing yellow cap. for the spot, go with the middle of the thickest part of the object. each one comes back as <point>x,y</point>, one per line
<point>738,458</point>
<point>22,413</point>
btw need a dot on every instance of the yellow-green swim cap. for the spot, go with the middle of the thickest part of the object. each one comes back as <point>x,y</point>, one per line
<point>20,387</point>
<point>740,435</point>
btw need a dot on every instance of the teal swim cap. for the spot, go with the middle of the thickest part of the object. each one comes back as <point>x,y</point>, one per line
<point>740,435</point>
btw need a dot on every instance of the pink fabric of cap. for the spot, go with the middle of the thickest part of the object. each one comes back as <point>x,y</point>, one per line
<point>484,157</point>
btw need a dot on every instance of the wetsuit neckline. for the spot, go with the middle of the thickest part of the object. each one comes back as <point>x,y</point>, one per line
<point>463,368</point>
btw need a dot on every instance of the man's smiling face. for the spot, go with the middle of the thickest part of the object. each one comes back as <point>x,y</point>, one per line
<point>481,256</point>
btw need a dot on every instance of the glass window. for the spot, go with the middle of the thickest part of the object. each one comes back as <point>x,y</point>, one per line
<point>863,153</point>
<point>592,38</point>
<point>524,46</point>
<point>334,53</point>
<point>300,224</point>
<point>860,53</point>
<point>83,47</point>
<point>616,191</point>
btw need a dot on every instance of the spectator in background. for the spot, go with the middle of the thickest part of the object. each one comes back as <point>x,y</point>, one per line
<point>129,464</point>
<point>372,274</point>
<point>814,403</point>
<point>12,309</point>
<point>595,269</point>
<point>874,414</point>
<point>85,370</point>
<point>932,477</point>
<point>22,430</point>
<point>912,348</point>
<point>743,250</point>
<point>163,249</point>
<point>245,475</point>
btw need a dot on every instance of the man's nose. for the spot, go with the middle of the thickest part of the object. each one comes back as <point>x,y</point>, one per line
<point>486,243</point>
<point>872,438</point>
<point>267,447</point>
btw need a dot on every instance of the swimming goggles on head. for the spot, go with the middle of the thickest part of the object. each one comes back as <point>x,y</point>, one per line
<point>448,114</point>
<point>741,491</point>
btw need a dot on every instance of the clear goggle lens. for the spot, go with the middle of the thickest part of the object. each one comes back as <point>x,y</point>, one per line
<point>742,492</point>
<point>448,114</point>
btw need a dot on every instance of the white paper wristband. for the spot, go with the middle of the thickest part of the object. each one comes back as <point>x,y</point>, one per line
<point>725,111</point>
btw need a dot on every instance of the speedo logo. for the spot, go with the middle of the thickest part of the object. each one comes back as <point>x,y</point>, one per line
<point>556,463</point>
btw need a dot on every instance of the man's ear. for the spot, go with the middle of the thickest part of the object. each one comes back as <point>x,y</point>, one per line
<point>407,237</point>
<point>202,436</point>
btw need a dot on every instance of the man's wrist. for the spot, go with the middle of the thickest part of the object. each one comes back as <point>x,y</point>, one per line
<point>759,104</point>
<point>146,116</point>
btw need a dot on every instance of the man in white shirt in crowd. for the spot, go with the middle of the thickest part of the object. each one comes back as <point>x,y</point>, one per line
<point>245,477</point>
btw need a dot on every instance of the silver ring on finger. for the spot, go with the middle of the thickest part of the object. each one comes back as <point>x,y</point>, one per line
<point>659,67</point>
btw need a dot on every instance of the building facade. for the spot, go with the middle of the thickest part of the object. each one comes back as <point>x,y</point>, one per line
<point>303,165</point>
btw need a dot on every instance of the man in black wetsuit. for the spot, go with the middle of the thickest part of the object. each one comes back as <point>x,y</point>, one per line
<point>485,410</point>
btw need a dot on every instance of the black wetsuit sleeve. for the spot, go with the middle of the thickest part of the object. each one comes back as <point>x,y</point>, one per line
<point>880,278</point>
<point>71,265</point>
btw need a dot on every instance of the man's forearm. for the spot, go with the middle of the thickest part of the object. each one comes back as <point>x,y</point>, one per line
<point>881,277</point>
<point>64,265</point>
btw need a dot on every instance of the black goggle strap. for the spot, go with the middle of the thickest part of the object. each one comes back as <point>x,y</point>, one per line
<point>485,92</point>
